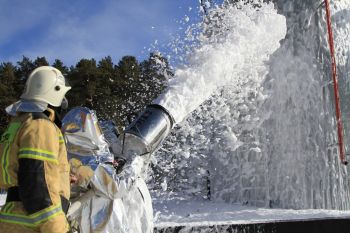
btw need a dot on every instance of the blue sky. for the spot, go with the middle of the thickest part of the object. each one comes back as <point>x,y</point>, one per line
<point>73,29</point>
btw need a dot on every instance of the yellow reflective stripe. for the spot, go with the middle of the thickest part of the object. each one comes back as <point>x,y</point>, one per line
<point>11,205</point>
<point>5,164</point>
<point>47,210</point>
<point>7,207</point>
<point>37,150</point>
<point>34,153</point>
<point>22,220</point>
<point>60,139</point>
<point>42,158</point>
<point>7,138</point>
<point>33,219</point>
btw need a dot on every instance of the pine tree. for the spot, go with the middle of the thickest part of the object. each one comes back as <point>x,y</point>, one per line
<point>40,61</point>
<point>25,67</point>
<point>8,94</point>
<point>129,73</point>
<point>58,64</point>
<point>105,103</point>
<point>155,73</point>
<point>117,92</point>
<point>83,81</point>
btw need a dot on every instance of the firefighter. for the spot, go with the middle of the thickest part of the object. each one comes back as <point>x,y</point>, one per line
<point>33,159</point>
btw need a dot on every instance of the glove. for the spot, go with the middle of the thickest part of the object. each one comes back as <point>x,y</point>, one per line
<point>118,164</point>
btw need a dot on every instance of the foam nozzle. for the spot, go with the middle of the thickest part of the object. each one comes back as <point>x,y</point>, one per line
<point>146,133</point>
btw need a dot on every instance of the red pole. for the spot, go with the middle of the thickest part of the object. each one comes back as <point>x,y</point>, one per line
<point>335,82</point>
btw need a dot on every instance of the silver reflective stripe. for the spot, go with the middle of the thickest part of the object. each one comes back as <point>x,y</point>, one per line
<point>38,154</point>
<point>23,153</point>
<point>30,220</point>
<point>23,220</point>
<point>46,215</point>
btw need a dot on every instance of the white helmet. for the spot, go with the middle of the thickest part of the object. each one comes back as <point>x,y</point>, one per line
<point>46,84</point>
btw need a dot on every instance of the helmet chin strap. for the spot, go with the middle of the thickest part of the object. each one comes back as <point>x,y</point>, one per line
<point>59,111</point>
<point>64,104</point>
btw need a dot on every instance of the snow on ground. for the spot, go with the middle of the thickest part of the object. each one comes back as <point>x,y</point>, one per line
<point>179,212</point>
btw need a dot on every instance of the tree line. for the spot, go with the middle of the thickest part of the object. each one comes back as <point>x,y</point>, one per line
<point>117,92</point>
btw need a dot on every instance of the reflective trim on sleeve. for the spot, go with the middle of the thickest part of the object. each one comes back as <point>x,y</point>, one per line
<point>8,207</point>
<point>7,138</point>
<point>32,220</point>
<point>5,164</point>
<point>60,139</point>
<point>38,154</point>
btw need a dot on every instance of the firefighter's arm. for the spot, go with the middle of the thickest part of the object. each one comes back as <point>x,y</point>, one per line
<point>39,177</point>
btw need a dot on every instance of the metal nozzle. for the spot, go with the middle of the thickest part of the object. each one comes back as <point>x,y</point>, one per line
<point>146,133</point>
